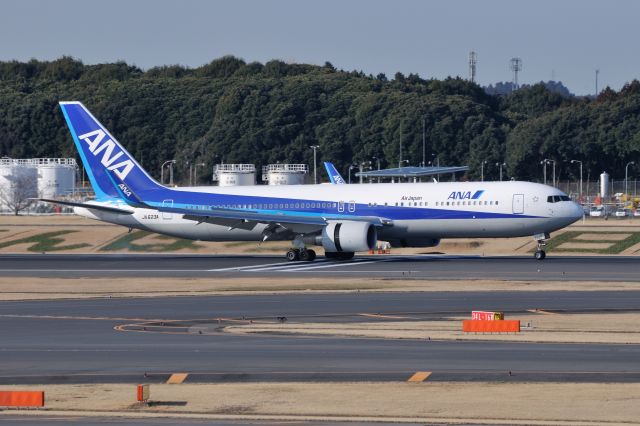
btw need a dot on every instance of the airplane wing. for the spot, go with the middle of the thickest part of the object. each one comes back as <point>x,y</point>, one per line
<point>101,207</point>
<point>270,216</point>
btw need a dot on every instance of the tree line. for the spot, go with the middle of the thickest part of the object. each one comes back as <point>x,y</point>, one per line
<point>236,112</point>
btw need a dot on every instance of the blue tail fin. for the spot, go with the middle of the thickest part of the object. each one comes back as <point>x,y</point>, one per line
<point>334,175</point>
<point>107,163</point>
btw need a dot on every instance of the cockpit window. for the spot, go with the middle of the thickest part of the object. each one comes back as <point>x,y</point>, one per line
<point>557,198</point>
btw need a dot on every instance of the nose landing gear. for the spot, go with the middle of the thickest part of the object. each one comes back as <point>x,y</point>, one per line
<point>540,254</point>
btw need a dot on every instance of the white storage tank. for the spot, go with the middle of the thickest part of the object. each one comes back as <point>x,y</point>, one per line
<point>285,174</point>
<point>56,176</point>
<point>604,185</point>
<point>234,174</point>
<point>18,182</point>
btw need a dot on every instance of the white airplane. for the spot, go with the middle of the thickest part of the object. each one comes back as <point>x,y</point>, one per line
<point>341,218</point>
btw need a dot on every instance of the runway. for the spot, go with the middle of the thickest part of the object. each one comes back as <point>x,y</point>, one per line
<point>75,341</point>
<point>430,267</point>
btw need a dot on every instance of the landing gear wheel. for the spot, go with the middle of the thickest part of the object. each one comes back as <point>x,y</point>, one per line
<point>304,255</point>
<point>345,255</point>
<point>540,255</point>
<point>293,255</point>
<point>312,255</point>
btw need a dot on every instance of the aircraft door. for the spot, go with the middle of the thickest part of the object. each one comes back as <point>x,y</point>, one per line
<point>352,206</point>
<point>518,203</point>
<point>167,215</point>
<point>340,206</point>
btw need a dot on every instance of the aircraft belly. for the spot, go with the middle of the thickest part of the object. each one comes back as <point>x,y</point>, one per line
<point>203,231</point>
<point>467,228</point>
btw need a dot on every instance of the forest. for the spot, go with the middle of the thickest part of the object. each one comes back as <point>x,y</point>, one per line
<point>236,112</point>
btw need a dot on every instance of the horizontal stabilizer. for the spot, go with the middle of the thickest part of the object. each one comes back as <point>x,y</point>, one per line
<point>100,207</point>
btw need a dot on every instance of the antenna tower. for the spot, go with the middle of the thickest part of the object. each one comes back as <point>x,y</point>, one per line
<point>516,67</point>
<point>473,60</point>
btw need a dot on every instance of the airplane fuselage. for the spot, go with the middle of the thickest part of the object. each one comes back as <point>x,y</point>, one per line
<point>418,211</point>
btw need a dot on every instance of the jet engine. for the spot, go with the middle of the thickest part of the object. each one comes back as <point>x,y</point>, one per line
<point>347,236</point>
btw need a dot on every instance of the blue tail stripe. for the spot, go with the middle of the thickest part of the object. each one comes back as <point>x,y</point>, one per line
<point>99,190</point>
<point>101,154</point>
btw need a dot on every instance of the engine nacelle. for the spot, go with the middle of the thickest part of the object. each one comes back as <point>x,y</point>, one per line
<point>415,242</point>
<point>348,236</point>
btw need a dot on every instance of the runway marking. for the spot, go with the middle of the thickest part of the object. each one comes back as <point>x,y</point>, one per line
<point>419,376</point>
<point>68,317</point>
<point>541,311</point>
<point>297,266</point>
<point>384,316</point>
<point>177,378</point>
<point>240,268</point>
<point>340,264</point>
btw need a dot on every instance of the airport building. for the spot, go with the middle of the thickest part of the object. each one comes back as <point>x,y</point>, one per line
<point>285,174</point>
<point>272,174</point>
<point>21,179</point>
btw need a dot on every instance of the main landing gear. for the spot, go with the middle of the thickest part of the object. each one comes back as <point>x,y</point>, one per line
<point>341,255</point>
<point>308,255</point>
<point>540,254</point>
<point>303,254</point>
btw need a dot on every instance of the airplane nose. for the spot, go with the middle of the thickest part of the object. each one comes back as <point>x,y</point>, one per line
<point>577,211</point>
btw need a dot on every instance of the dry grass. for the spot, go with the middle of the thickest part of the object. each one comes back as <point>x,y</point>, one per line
<point>565,328</point>
<point>98,234</point>
<point>446,402</point>
<point>31,288</point>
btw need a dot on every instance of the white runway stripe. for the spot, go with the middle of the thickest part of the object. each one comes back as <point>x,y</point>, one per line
<point>241,268</point>
<point>304,266</point>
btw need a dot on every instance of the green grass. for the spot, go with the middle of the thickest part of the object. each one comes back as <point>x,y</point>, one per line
<point>47,241</point>
<point>616,247</point>
<point>164,244</point>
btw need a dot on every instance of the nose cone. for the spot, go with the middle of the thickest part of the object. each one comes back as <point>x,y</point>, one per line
<point>575,211</point>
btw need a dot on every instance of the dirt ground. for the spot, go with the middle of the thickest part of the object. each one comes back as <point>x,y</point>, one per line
<point>80,288</point>
<point>427,402</point>
<point>540,327</point>
<point>98,235</point>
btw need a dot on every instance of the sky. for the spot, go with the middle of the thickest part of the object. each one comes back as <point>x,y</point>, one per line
<point>564,40</point>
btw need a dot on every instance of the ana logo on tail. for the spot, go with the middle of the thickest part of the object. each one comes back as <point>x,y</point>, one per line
<point>96,146</point>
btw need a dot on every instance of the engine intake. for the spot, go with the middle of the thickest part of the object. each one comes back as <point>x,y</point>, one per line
<point>348,236</point>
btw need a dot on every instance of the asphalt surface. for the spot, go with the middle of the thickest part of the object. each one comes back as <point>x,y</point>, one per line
<point>434,267</point>
<point>74,341</point>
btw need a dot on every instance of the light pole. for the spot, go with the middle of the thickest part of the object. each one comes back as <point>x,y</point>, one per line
<point>195,172</point>
<point>580,190</point>
<point>626,176</point>
<point>424,159</point>
<point>545,162</point>
<point>171,172</point>
<point>351,167</point>
<point>162,170</point>
<point>314,148</point>
<point>500,165</point>
<point>377,161</point>
<point>482,170</point>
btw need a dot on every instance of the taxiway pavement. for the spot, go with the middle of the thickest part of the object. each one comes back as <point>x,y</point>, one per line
<point>74,341</point>
<point>433,267</point>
